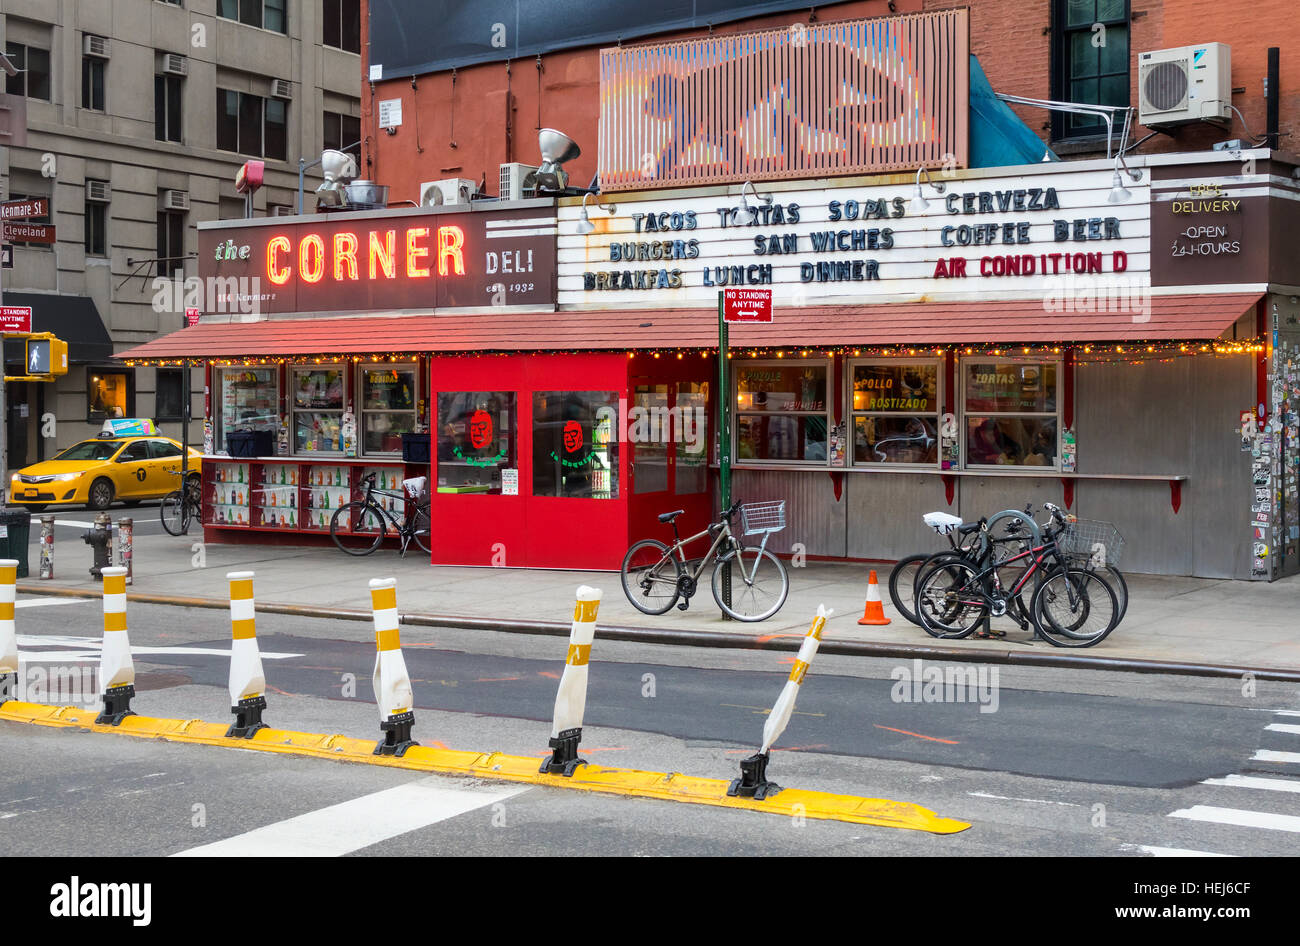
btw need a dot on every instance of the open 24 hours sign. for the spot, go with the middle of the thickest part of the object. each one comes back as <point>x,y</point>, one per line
<point>392,260</point>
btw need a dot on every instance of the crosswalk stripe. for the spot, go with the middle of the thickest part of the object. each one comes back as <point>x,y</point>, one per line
<point>1283,727</point>
<point>1170,851</point>
<point>1273,755</point>
<point>1236,816</point>
<point>1287,712</point>
<point>360,822</point>
<point>1251,781</point>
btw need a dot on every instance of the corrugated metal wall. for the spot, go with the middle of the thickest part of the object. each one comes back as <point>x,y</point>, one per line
<point>808,101</point>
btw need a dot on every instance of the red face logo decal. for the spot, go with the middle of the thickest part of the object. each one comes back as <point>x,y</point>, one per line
<point>480,429</point>
<point>572,436</point>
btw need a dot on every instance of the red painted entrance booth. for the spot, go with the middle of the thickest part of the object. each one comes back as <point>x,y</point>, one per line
<point>560,461</point>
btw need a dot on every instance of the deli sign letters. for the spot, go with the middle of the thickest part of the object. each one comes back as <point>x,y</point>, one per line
<point>394,261</point>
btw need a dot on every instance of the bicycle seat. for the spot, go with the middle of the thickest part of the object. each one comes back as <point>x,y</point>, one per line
<point>967,530</point>
<point>942,522</point>
<point>670,516</point>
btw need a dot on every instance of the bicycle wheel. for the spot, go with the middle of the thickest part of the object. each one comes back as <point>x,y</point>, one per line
<point>902,584</point>
<point>950,600</point>
<point>759,584</point>
<point>357,528</point>
<point>1075,609</point>
<point>422,529</point>
<point>175,512</point>
<point>649,575</point>
<point>1115,579</point>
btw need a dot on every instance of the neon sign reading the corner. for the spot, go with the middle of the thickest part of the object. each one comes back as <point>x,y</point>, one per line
<point>348,256</point>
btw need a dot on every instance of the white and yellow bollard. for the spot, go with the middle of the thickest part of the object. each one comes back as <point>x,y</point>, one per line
<point>392,683</point>
<point>116,669</point>
<point>8,633</point>
<point>247,680</point>
<point>753,781</point>
<point>571,698</point>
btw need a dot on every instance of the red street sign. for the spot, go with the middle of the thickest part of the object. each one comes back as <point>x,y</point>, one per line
<point>15,318</point>
<point>191,317</point>
<point>27,207</point>
<point>747,305</point>
<point>29,232</point>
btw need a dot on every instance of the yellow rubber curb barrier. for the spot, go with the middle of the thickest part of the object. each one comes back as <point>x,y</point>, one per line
<point>496,765</point>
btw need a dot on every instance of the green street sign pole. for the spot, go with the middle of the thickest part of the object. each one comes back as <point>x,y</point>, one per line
<point>724,439</point>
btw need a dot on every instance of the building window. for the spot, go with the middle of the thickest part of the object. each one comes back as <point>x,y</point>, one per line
<point>341,131</point>
<point>266,14</point>
<point>33,78</point>
<point>476,440</point>
<point>109,393</point>
<point>782,412</point>
<point>96,226</point>
<point>895,412</point>
<point>252,125</point>
<point>42,219</point>
<point>317,410</point>
<point>575,444</point>
<point>171,243</point>
<point>1012,414</point>
<point>342,25</point>
<point>248,401</point>
<point>169,394</point>
<point>167,108</point>
<point>1090,51</point>
<point>92,83</point>
<point>387,407</point>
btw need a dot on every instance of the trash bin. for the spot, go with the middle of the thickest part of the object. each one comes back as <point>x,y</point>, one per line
<point>15,529</point>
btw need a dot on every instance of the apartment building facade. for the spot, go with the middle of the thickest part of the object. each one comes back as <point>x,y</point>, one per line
<point>139,116</point>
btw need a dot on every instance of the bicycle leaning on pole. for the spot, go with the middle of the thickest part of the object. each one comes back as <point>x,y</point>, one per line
<point>656,575</point>
<point>182,506</point>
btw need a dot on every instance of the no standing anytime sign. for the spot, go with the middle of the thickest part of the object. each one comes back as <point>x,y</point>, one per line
<point>747,305</point>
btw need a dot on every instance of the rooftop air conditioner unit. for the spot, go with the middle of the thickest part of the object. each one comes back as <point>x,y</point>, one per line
<point>175,200</point>
<point>454,190</point>
<point>281,210</point>
<point>99,192</point>
<point>512,182</point>
<point>1185,84</point>
<point>175,64</point>
<point>281,89</point>
<point>96,46</point>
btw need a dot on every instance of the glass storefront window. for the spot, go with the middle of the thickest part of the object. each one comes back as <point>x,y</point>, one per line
<point>1011,414</point>
<point>575,444</point>
<point>387,407</point>
<point>781,411</point>
<point>249,401</point>
<point>895,412</point>
<point>476,440</point>
<point>692,437</point>
<point>317,410</point>
<point>648,429</point>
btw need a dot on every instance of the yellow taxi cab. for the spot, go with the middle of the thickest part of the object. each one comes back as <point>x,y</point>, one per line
<point>128,461</point>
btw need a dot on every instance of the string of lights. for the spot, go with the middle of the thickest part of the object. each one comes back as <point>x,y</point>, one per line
<point>1125,352</point>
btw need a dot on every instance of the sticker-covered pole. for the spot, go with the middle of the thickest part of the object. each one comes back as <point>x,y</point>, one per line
<point>724,440</point>
<point>8,632</point>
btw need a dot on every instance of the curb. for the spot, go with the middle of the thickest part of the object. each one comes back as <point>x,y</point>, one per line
<point>716,639</point>
<point>661,786</point>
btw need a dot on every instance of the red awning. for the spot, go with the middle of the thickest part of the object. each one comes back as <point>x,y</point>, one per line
<point>1177,318</point>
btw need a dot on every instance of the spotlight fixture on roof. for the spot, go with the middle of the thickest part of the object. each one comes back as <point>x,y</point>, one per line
<point>919,203</point>
<point>339,168</point>
<point>557,148</point>
<point>744,215</point>
<point>1120,194</point>
<point>585,225</point>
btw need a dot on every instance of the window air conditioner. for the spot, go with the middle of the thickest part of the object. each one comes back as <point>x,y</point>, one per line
<point>175,200</point>
<point>175,64</point>
<point>281,89</point>
<point>100,192</point>
<point>96,46</point>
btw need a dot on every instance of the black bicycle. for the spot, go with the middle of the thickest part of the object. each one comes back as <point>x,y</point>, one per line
<point>182,506</point>
<point>359,527</point>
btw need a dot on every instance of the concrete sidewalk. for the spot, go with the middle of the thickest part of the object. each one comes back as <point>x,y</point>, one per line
<point>1186,620</point>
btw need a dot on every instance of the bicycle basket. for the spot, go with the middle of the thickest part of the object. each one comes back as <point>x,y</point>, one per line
<point>757,518</point>
<point>1092,542</point>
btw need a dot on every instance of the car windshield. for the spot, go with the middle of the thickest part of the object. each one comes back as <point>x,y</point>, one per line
<point>90,450</point>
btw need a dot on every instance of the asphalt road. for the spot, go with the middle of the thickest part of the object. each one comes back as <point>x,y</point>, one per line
<point>1070,763</point>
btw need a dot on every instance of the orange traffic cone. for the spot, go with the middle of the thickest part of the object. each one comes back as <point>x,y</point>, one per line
<point>874,613</point>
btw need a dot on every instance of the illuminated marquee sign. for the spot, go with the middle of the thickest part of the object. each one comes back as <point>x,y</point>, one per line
<point>398,261</point>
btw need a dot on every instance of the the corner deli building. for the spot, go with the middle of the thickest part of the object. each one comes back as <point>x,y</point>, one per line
<point>1016,337</point>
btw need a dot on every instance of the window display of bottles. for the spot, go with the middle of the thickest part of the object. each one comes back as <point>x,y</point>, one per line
<point>326,489</point>
<point>388,479</point>
<point>230,494</point>
<point>277,496</point>
<point>602,477</point>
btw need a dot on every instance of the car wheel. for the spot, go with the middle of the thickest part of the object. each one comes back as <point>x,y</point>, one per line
<point>101,494</point>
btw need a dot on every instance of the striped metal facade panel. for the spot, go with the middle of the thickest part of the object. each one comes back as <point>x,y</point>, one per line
<point>814,517</point>
<point>855,97</point>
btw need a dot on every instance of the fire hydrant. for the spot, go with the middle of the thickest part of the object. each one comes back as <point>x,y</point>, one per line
<point>100,538</point>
